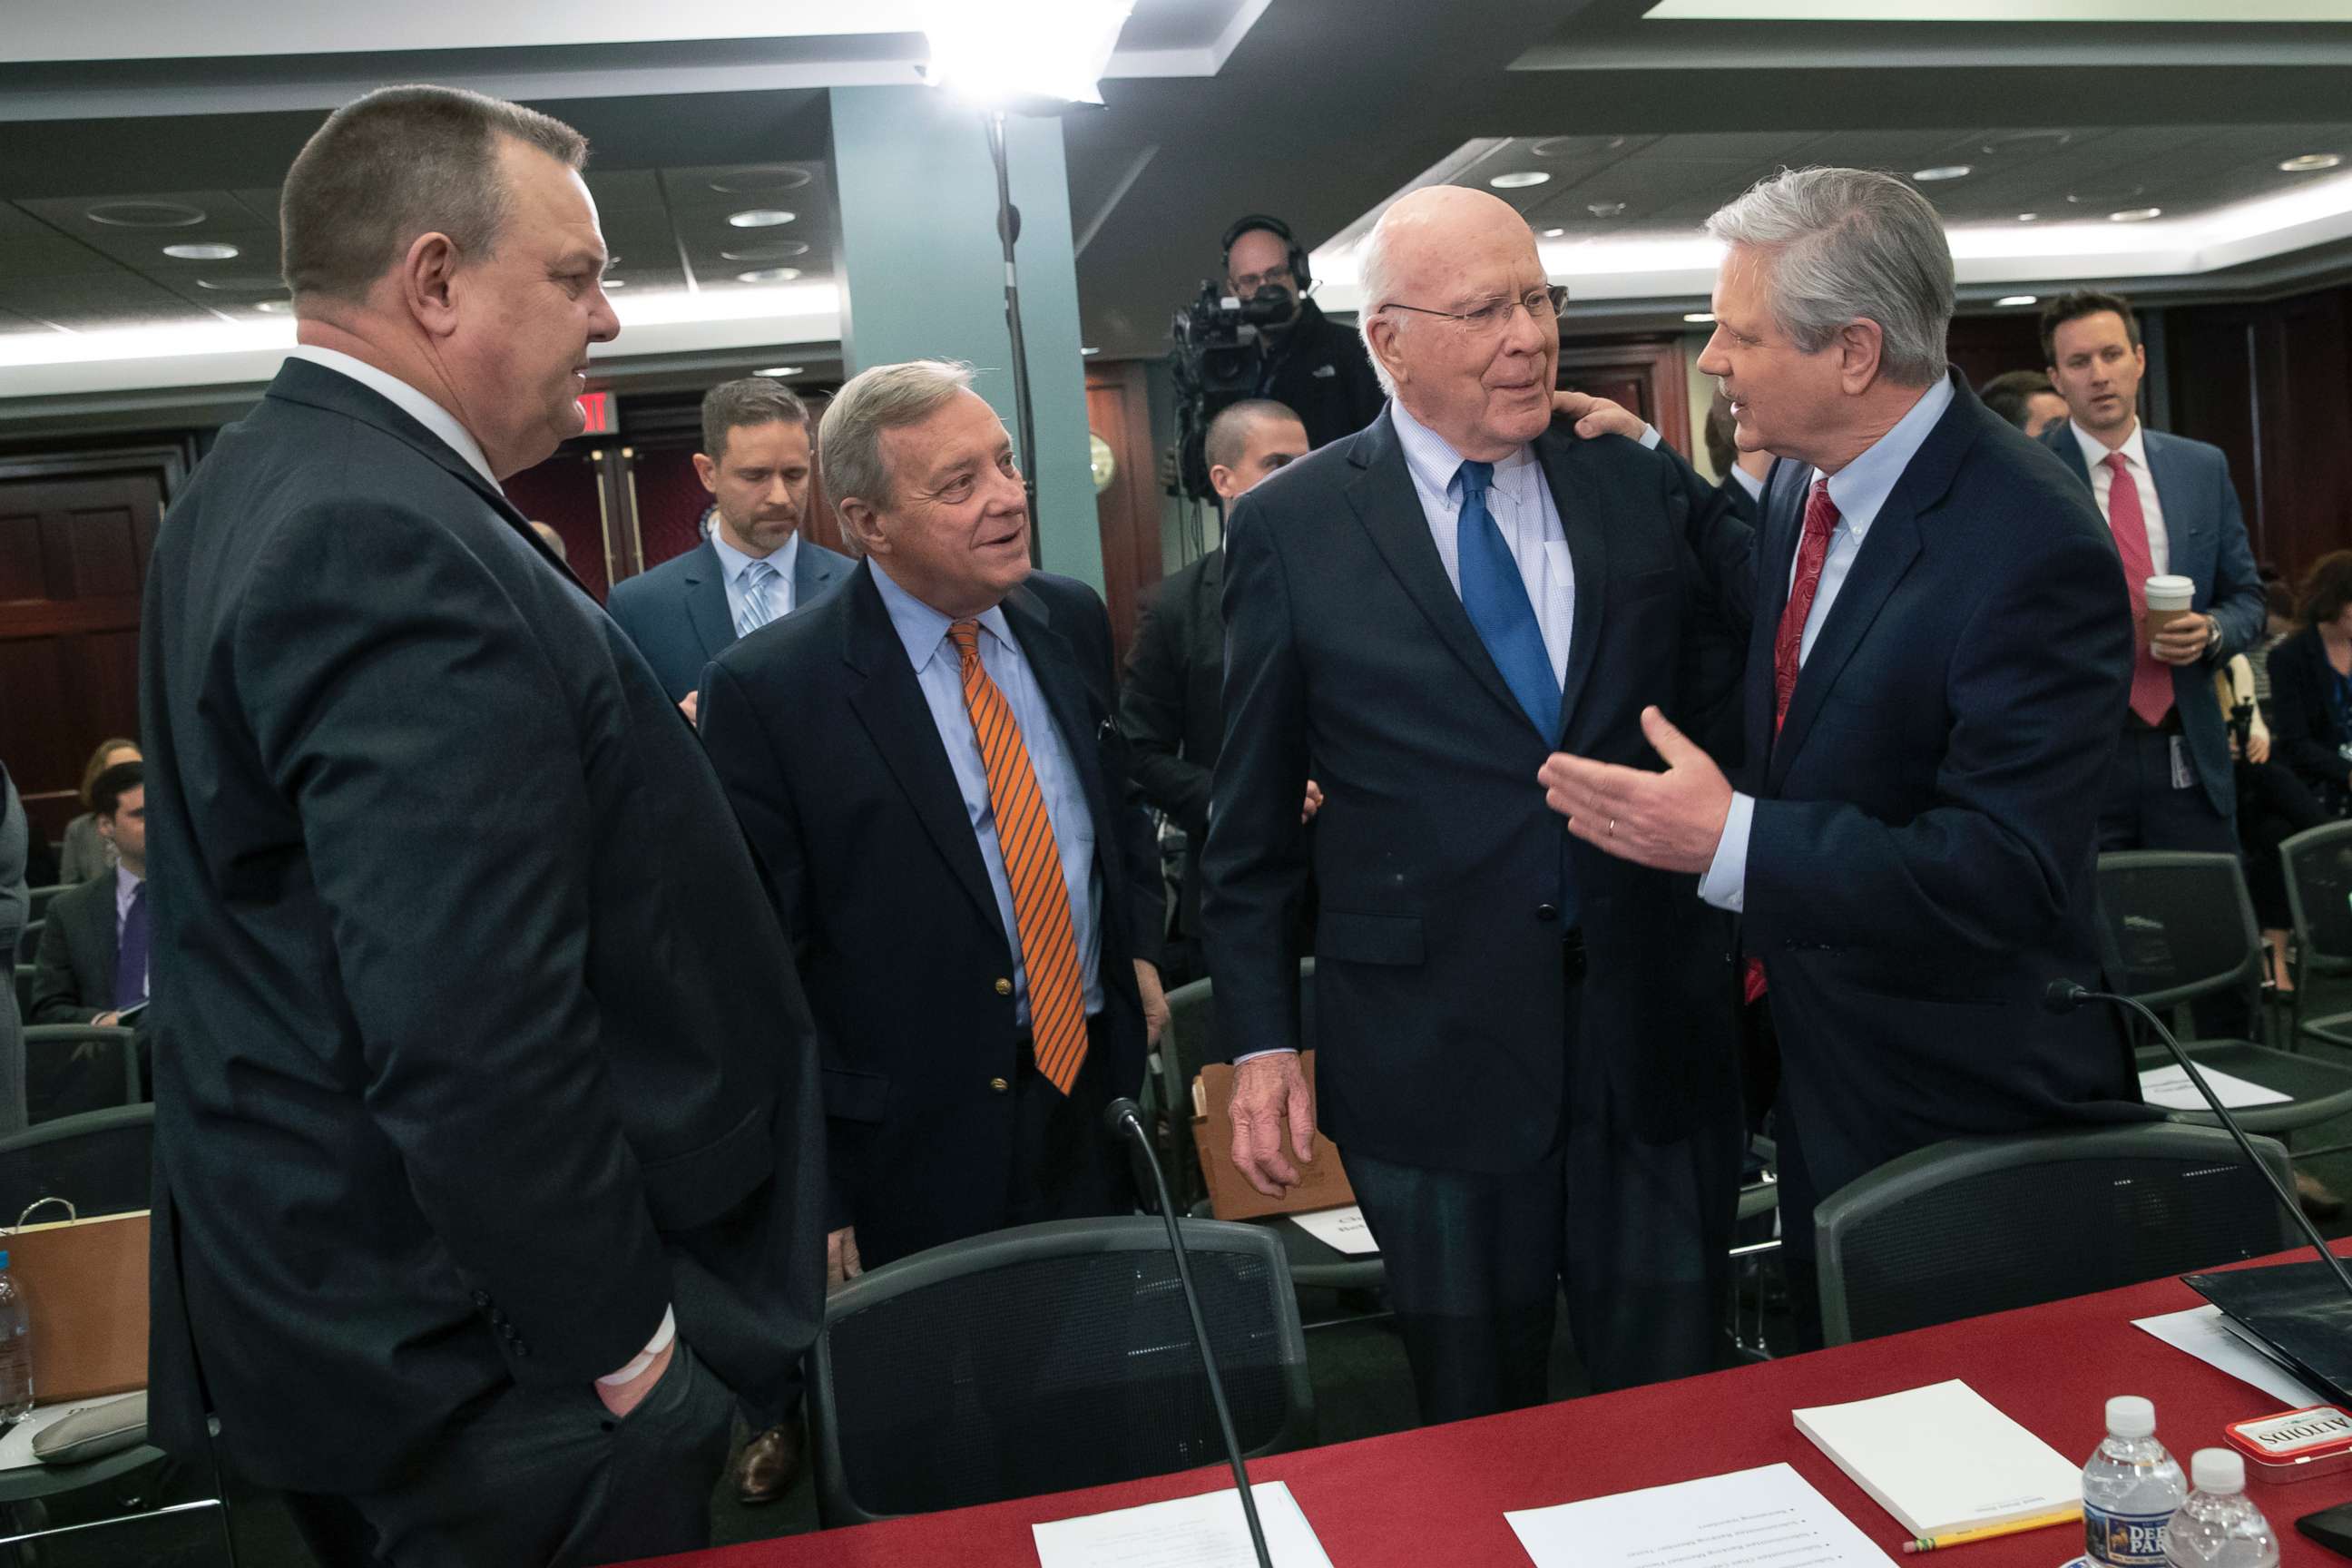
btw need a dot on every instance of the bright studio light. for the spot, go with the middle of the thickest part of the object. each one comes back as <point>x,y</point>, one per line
<point>1003,53</point>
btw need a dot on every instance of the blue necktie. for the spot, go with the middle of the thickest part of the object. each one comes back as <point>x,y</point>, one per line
<point>131,954</point>
<point>1496,597</point>
<point>759,609</point>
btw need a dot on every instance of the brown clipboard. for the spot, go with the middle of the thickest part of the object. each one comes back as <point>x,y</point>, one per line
<point>1324,1179</point>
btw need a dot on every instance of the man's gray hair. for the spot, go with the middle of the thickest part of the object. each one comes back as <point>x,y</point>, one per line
<point>1847,244</point>
<point>849,441</point>
<point>1375,282</point>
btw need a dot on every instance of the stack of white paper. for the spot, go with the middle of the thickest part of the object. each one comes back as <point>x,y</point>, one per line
<point>1189,1532</point>
<point>1767,1518</point>
<point>2169,1088</point>
<point>1943,1459</point>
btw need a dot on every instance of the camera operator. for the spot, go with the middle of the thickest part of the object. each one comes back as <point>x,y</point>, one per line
<point>1311,365</point>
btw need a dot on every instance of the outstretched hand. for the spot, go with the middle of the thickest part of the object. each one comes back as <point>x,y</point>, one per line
<point>1670,821</point>
<point>1597,416</point>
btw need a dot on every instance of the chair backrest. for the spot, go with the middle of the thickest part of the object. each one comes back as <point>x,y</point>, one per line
<point>28,940</point>
<point>24,972</point>
<point>2175,926</point>
<point>2318,862</point>
<point>1982,1224</point>
<point>73,1067</point>
<point>39,898</point>
<point>99,1162</point>
<point>1049,1357</point>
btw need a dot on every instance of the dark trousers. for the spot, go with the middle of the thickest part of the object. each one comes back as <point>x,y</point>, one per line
<point>2141,810</point>
<point>540,1476</point>
<point>1634,1233</point>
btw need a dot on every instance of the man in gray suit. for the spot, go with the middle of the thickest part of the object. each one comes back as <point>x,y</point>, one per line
<point>756,462</point>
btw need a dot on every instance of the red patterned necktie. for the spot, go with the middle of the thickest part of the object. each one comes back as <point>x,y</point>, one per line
<point>1032,864</point>
<point>1788,643</point>
<point>2151,689</point>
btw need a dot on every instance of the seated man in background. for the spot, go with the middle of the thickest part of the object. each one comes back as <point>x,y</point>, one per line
<point>754,567</point>
<point>2025,398</point>
<point>85,854</point>
<point>93,963</point>
<point>965,876</point>
<point>1171,707</point>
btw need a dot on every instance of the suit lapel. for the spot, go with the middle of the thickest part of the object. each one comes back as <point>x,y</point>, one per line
<point>1783,514</point>
<point>706,601</point>
<point>1588,551</point>
<point>2171,496</point>
<point>1056,667</point>
<point>99,931</point>
<point>1389,507</point>
<point>889,702</point>
<point>813,571</point>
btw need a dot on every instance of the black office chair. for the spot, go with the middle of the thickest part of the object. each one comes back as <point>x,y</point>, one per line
<point>70,1068</point>
<point>1984,1225</point>
<point>1048,1357</point>
<point>98,1162</point>
<point>2175,927</point>
<point>28,942</point>
<point>2318,864</point>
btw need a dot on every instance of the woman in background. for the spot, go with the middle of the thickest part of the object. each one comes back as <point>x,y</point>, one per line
<point>87,855</point>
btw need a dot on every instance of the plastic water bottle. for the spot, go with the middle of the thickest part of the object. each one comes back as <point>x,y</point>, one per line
<point>2219,1526</point>
<point>2130,1489</point>
<point>16,1347</point>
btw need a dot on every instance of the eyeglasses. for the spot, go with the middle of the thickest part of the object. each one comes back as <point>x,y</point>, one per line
<point>1494,317</point>
<point>1249,283</point>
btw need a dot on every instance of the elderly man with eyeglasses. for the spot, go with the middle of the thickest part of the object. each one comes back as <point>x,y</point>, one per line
<point>1526,1045</point>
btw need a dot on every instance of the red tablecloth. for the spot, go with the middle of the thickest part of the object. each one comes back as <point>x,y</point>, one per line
<point>1437,1495</point>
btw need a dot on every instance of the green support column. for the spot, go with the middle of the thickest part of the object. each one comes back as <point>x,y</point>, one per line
<point>922,276</point>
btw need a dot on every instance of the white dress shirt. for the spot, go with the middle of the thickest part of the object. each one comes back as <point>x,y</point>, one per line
<point>1521,505</point>
<point>733,565</point>
<point>408,400</point>
<point>444,423</point>
<point>2103,481</point>
<point>1859,492</point>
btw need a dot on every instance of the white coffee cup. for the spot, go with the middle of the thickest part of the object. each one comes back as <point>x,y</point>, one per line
<point>2168,598</point>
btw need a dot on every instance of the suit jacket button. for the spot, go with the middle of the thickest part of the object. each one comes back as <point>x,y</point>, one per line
<point>1005,987</point>
<point>999,1085</point>
<point>481,1297</point>
<point>1547,913</point>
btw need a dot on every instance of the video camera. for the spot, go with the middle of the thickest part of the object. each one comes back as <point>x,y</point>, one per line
<point>1220,356</point>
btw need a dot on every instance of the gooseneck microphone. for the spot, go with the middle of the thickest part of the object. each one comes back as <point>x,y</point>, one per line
<point>2066,995</point>
<point>1123,1119</point>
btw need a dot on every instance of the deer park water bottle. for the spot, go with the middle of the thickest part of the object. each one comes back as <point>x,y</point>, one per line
<point>2129,1489</point>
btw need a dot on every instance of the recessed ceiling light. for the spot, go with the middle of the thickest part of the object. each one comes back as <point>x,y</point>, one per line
<point>1605,209</point>
<point>1575,146</point>
<point>762,255</point>
<point>1943,172</point>
<point>768,275</point>
<point>759,177</point>
<point>760,217</point>
<point>1089,350</point>
<point>2310,163</point>
<point>1554,233</point>
<point>274,307</point>
<point>1698,315</point>
<point>247,283</point>
<point>1519,180</point>
<point>2135,214</point>
<point>609,283</point>
<point>2029,217</point>
<point>208,252</point>
<point>144,215</point>
<point>2018,299</point>
<point>779,370</point>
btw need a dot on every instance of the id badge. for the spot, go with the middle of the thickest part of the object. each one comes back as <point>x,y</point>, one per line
<point>2184,776</point>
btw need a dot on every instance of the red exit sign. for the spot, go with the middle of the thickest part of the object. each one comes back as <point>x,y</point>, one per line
<point>603,414</point>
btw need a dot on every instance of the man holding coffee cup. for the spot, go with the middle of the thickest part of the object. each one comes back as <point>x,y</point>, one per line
<point>2174,516</point>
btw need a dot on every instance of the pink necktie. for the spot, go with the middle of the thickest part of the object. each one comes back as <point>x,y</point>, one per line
<point>2151,690</point>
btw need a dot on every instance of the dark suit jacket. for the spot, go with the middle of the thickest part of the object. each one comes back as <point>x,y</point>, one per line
<point>74,978</point>
<point>1173,706</point>
<point>2303,733</point>
<point>1921,864</point>
<point>476,1042</point>
<point>2206,539</point>
<point>677,613</point>
<point>886,902</point>
<point>1743,506</point>
<point>1440,997</point>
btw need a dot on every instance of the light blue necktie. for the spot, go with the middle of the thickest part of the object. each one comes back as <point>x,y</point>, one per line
<point>1496,597</point>
<point>758,608</point>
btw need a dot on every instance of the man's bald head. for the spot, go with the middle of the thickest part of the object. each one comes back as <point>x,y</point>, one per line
<point>1440,254</point>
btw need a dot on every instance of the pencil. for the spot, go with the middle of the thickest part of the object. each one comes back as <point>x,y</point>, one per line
<point>1988,1532</point>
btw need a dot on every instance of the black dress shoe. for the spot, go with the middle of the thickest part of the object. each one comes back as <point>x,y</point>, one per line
<point>769,1464</point>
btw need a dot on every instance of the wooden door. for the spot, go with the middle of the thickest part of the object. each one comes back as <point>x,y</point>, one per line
<point>74,538</point>
<point>1127,504</point>
<point>1646,375</point>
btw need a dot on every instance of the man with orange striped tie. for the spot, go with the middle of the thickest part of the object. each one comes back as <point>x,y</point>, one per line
<point>928,764</point>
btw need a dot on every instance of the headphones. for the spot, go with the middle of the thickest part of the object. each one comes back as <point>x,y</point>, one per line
<point>1281,231</point>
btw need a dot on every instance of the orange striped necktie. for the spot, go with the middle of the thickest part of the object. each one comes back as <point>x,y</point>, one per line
<point>1033,864</point>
